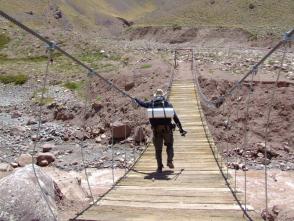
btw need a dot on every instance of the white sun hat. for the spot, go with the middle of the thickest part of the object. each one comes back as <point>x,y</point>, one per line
<point>159,92</point>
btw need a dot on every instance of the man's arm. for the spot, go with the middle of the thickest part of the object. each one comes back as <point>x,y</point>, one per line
<point>177,121</point>
<point>142,103</point>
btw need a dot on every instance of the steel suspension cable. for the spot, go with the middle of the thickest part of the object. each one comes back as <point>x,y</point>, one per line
<point>246,131</point>
<point>87,95</point>
<point>239,129</point>
<point>40,113</point>
<point>112,150</point>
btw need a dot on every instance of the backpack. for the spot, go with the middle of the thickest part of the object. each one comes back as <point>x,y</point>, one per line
<point>160,109</point>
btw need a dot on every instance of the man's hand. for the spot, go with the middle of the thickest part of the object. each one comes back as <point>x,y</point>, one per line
<point>183,132</point>
<point>135,103</point>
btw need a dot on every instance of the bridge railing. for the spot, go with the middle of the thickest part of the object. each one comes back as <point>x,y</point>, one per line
<point>231,118</point>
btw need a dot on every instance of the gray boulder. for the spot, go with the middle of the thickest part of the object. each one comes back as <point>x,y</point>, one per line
<point>21,198</point>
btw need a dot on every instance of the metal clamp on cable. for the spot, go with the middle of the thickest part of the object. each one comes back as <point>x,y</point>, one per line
<point>51,46</point>
<point>289,36</point>
<point>91,73</point>
<point>254,69</point>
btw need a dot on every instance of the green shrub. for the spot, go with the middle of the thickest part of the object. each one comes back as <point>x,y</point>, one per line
<point>72,85</point>
<point>19,79</point>
<point>176,27</point>
<point>145,66</point>
<point>44,101</point>
<point>4,39</point>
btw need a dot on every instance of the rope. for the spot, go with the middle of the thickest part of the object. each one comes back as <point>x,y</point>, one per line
<point>40,37</point>
<point>40,113</point>
<point>81,143</point>
<point>239,128</point>
<point>112,154</point>
<point>170,82</point>
<point>113,186</point>
<point>271,104</point>
<point>246,130</point>
<point>125,150</point>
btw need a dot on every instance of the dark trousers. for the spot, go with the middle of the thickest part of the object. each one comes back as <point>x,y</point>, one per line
<point>163,134</point>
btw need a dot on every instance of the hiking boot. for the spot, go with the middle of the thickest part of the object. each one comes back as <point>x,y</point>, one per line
<point>159,170</point>
<point>170,165</point>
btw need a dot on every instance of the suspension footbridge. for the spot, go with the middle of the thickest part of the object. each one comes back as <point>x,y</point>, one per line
<point>199,188</point>
<point>195,190</point>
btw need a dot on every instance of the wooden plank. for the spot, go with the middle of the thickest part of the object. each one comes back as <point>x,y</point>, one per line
<point>193,206</point>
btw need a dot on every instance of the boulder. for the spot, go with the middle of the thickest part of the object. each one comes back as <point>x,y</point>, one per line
<point>49,157</point>
<point>5,167</point>
<point>24,159</point>
<point>129,86</point>
<point>47,147</point>
<point>22,199</point>
<point>139,135</point>
<point>120,130</point>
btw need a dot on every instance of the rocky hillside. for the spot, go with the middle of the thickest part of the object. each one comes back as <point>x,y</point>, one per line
<point>70,14</point>
<point>258,17</point>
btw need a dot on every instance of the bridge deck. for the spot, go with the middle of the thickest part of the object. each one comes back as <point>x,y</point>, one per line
<point>195,190</point>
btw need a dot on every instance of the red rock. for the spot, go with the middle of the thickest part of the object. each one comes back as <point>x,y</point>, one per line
<point>120,130</point>
<point>49,157</point>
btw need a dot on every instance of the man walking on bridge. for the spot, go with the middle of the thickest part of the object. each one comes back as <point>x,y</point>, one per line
<point>160,113</point>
